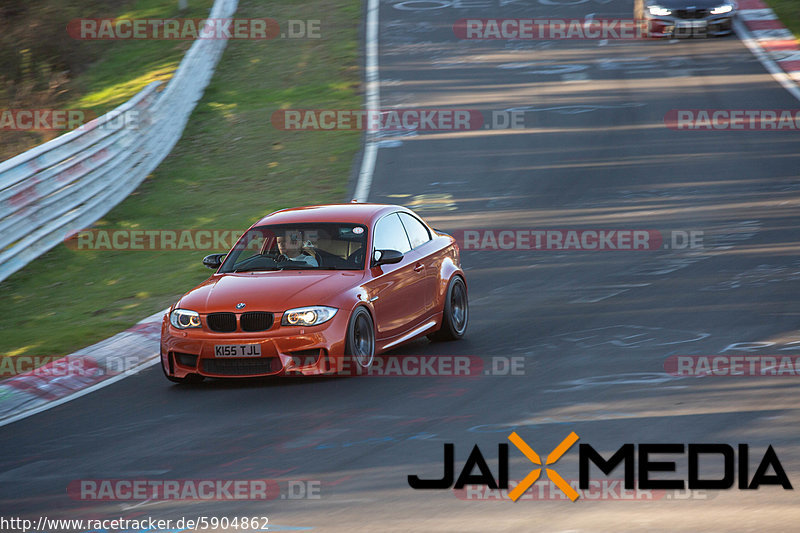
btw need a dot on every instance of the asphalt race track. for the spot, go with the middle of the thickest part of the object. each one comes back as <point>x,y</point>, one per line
<point>591,330</point>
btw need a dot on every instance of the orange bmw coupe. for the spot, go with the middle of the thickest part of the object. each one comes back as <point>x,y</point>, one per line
<point>311,290</point>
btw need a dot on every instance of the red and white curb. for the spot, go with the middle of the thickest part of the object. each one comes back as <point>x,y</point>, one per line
<point>82,372</point>
<point>766,36</point>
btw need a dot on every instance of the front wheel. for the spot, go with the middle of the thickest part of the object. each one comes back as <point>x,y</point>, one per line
<point>456,312</point>
<point>360,343</point>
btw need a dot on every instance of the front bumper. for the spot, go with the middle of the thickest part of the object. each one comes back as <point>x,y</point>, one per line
<point>285,350</point>
<point>677,27</point>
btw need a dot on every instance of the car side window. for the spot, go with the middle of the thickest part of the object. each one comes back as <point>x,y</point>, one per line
<point>390,234</point>
<point>418,234</point>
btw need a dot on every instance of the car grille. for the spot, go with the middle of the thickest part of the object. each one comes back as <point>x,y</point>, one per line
<point>691,13</point>
<point>222,322</point>
<point>250,321</point>
<point>241,366</point>
<point>256,321</point>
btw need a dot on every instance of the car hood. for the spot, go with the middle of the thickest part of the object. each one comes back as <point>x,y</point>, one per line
<point>268,291</point>
<point>684,4</point>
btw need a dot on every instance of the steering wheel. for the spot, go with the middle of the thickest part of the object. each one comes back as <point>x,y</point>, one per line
<point>356,257</point>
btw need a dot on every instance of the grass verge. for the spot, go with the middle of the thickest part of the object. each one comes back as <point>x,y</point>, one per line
<point>789,13</point>
<point>230,168</point>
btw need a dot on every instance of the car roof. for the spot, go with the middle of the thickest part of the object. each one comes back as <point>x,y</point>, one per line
<point>353,213</point>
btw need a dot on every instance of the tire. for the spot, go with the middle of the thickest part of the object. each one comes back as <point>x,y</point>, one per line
<point>188,379</point>
<point>456,312</point>
<point>360,342</point>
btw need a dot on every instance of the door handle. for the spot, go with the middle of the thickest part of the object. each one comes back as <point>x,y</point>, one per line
<point>419,268</point>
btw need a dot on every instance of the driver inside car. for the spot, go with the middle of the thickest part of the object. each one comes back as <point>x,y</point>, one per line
<point>290,248</point>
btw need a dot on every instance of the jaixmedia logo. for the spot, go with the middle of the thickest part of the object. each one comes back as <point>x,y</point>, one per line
<point>720,465</point>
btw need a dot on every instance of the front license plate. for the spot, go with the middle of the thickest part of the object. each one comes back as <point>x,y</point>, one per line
<point>237,350</point>
<point>691,24</point>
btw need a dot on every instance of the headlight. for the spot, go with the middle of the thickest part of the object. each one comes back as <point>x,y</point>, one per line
<point>183,318</point>
<point>721,10</point>
<point>659,11</point>
<point>307,316</point>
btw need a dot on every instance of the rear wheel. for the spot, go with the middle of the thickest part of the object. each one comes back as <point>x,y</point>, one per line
<point>456,312</point>
<point>188,379</point>
<point>360,345</point>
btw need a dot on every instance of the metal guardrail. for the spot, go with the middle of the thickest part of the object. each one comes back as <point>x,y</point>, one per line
<point>67,184</point>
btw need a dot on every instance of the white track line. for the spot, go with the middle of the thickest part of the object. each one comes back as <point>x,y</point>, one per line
<point>772,67</point>
<point>373,101</point>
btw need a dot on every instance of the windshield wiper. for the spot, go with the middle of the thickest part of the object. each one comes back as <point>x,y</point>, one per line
<point>257,269</point>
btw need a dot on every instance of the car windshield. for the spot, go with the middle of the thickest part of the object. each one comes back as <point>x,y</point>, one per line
<point>323,246</point>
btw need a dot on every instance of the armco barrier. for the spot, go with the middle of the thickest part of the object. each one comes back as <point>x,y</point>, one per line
<point>67,184</point>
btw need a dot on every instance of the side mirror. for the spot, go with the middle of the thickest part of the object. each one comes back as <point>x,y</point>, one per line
<point>386,257</point>
<point>213,261</point>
